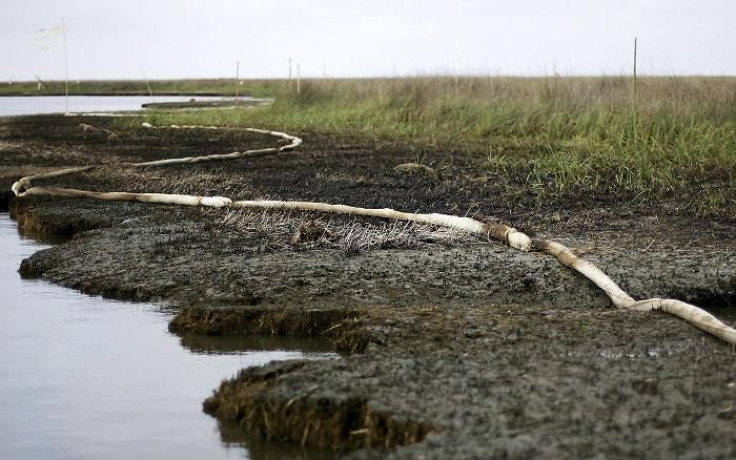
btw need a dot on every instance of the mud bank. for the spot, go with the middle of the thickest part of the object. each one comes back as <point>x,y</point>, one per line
<point>455,348</point>
<point>235,270</point>
<point>193,104</point>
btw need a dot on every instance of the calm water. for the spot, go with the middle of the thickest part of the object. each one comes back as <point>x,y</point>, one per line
<point>25,105</point>
<point>87,378</point>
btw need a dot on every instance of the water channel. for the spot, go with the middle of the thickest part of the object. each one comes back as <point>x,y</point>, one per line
<point>34,105</point>
<point>86,378</point>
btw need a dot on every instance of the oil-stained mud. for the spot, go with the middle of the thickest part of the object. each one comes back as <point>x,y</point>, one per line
<point>455,347</point>
<point>260,400</point>
<point>196,264</point>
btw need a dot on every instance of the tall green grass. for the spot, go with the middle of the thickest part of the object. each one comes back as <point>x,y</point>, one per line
<point>558,133</point>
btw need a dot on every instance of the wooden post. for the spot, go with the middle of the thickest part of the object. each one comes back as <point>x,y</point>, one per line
<point>636,102</point>
<point>298,78</point>
<point>148,86</point>
<point>66,68</point>
<point>289,73</point>
<point>237,82</point>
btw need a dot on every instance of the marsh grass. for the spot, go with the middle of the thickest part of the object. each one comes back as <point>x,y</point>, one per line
<point>555,133</point>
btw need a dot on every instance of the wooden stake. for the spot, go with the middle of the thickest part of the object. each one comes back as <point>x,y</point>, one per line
<point>148,86</point>
<point>636,101</point>
<point>298,78</point>
<point>289,74</point>
<point>237,82</point>
<point>66,68</point>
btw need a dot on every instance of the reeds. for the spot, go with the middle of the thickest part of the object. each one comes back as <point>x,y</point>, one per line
<point>546,135</point>
<point>562,133</point>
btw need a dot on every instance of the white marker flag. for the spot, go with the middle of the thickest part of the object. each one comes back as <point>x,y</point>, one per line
<point>49,38</point>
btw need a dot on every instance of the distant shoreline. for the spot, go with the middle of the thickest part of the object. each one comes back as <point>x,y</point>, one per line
<point>270,87</point>
<point>195,87</point>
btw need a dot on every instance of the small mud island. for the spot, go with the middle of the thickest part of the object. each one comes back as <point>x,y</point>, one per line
<point>453,346</point>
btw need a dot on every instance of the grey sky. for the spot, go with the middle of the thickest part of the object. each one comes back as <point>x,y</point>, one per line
<point>200,38</point>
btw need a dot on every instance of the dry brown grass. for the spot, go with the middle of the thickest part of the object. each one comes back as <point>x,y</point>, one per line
<point>305,231</point>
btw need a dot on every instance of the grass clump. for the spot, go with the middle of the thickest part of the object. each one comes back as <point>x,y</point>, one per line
<point>299,231</point>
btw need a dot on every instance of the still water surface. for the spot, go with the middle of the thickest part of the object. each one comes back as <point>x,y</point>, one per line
<point>87,378</point>
<point>30,105</point>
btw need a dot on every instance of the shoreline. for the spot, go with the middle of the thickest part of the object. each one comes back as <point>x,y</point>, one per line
<point>455,348</point>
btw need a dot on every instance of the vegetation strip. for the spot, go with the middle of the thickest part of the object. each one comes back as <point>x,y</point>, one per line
<point>510,236</point>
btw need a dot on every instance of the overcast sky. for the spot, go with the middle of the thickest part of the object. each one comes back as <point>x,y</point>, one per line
<point>346,38</point>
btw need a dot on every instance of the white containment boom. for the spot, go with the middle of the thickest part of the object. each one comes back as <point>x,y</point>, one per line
<point>512,237</point>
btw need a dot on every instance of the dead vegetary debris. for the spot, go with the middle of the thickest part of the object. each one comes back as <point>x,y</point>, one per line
<point>304,232</point>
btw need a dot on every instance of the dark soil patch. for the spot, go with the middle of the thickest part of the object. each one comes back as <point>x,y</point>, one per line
<point>455,348</point>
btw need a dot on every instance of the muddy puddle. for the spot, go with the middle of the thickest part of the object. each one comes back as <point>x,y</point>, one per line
<point>82,377</point>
